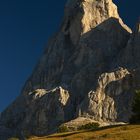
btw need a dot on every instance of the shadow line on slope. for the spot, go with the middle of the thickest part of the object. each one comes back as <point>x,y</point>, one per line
<point>59,135</point>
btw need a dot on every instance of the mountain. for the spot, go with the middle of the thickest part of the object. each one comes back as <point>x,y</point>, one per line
<point>89,69</point>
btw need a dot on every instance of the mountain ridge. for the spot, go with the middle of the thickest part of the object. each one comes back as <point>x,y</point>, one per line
<point>88,66</point>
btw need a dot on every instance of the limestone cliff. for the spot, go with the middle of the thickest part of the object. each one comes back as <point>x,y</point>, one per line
<point>90,66</point>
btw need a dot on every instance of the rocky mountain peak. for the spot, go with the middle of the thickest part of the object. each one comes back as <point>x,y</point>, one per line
<point>87,69</point>
<point>83,15</point>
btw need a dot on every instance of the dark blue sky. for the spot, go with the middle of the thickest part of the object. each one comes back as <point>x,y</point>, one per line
<point>25,26</point>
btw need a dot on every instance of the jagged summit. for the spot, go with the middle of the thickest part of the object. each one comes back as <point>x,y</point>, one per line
<point>83,15</point>
<point>89,66</point>
<point>91,13</point>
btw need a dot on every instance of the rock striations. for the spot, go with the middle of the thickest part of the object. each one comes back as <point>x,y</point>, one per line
<point>90,69</point>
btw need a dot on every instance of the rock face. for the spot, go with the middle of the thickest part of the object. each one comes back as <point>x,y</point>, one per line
<point>89,69</point>
<point>36,113</point>
<point>111,99</point>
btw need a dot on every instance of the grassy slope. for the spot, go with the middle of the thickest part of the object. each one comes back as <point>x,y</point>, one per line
<point>129,132</point>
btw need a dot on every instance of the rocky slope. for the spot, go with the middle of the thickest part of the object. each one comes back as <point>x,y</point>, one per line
<point>89,69</point>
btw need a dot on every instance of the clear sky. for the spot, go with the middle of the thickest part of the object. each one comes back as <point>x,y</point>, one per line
<point>25,26</point>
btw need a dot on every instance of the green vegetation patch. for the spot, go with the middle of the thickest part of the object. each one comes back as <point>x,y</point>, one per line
<point>136,108</point>
<point>93,126</point>
<point>62,129</point>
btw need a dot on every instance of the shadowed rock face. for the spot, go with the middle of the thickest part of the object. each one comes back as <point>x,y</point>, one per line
<point>38,113</point>
<point>90,68</point>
